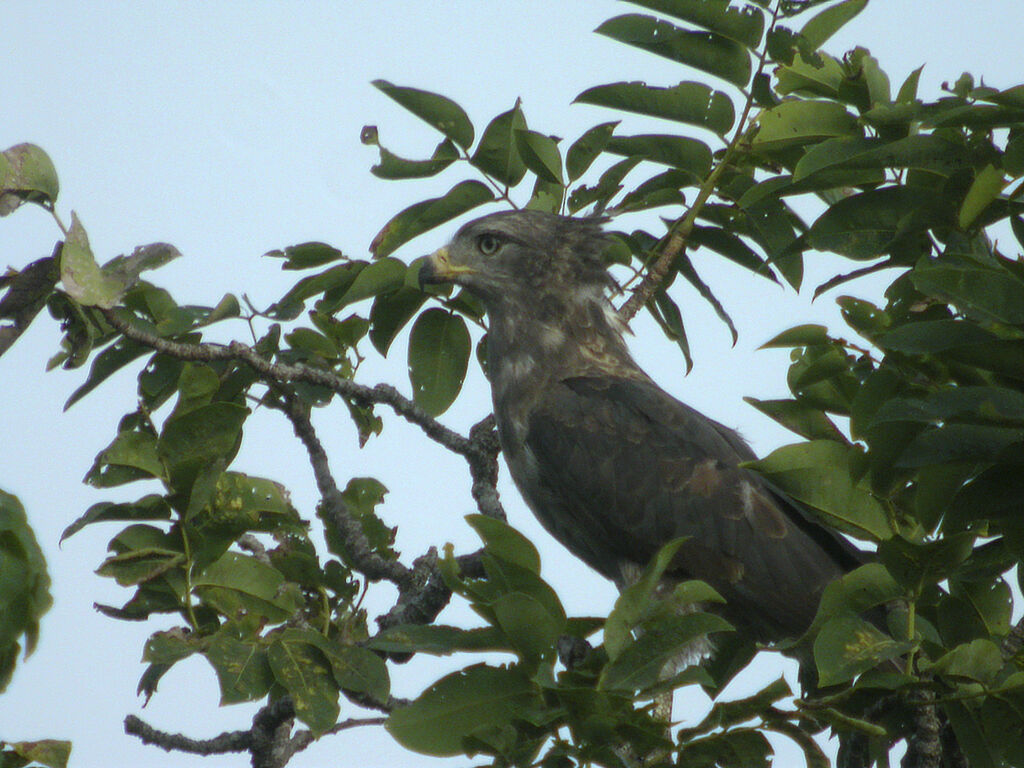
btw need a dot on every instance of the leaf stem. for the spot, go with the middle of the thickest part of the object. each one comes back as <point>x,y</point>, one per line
<point>679,233</point>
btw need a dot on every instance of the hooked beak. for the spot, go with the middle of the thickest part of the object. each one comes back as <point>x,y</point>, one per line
<point>438,268</point>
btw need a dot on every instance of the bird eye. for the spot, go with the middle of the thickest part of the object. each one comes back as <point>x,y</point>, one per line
<point>488,244</point>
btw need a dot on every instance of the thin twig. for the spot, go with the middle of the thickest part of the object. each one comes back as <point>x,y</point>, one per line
<point>680,232</point>
<point>284,373</point>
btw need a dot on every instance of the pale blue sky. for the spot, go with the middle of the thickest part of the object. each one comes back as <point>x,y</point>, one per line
<point>230,129</point>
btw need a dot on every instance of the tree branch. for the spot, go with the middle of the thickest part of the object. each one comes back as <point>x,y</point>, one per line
<point>284,373</point>
<point>333,506</point>
<point>270,740</point>
<point>230,741</point>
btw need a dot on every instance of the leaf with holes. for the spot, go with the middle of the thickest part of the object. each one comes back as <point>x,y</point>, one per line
<point>437,110</point>
<point>692,103</point>
<point>439,347</point>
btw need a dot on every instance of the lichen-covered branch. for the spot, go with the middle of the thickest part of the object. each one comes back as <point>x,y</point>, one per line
<point>333,506</point>
<point>285,373</point>
<point>269,740</point>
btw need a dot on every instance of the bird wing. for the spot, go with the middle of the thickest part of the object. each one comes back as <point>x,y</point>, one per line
<point>621,468</point>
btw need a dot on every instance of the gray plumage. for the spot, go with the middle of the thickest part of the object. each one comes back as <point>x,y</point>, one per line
<point>611,464</point>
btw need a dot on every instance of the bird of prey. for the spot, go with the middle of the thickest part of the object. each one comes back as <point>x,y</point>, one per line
<point>611,464</point>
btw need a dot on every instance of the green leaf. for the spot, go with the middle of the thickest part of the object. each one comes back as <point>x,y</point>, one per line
<point>496,154</point>
<point>848,646</point>
<point>986,187</point>
<point>640,664</point>
<point>530,626</point>
<point>821,27</point>
<point>238,582</point>
<point>437,639</point>
<point>424,216</point>
<point>736,748</point>
<point>801,336</point>
<point>151,507</point>
<point>301,669</point>
<point>666,313</point>
<point>635,602</point>
<point>954,443</point>
<point>1013,157</point>
<point>908,91</point>
<point>676,151</point>
<point>391,166</point>
<point>744,24</point>
<point>196,439</point>
<point>361,496</point>
<point>540,154</point>
<point>243,670</point>
<point>306,255</point>
<point>504,577</point>
<point>796,122</point>
<point>383,276</point>
<point>979,660</point>
<point>730,246</point>
<point>49,752</point>
<point>355,669</point>
<point>126,269</point>
<point>726,714</point>
<point>456,706</point>
<point>27,174</point>
<point>439,348</point>
<point>586,148</point>
<point>817,474</point>
<point>137,450</point>
<point>436,110</point>
<point>797,416</point>
<point>711,53</point>
<point>389,314</point>
<point>866,225</point>
<point>84,281</point>
<point>855,592</point>
<point>24,585</point>
<point>822,78</point>
<point>609,185</point>
<point>692,103</point>
<point>504,541</point>
<point>924,150</point>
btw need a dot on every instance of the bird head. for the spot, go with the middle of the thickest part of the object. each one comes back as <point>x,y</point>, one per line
<point>500,256</point>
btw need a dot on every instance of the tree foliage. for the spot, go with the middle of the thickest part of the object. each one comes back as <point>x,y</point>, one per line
<point>910,430</point>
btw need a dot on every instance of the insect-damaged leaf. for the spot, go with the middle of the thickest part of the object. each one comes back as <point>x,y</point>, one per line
<point>303,671</point>
<point>586,148</point>
<point>706,51</point>
<point>744,24</point>
<point>692,103</point>
<point>26,174</point>
<point>848,645</point>
<point>439,348</point>
<point>83,279</point>
<point>437,110</point>
<point>391,166</point>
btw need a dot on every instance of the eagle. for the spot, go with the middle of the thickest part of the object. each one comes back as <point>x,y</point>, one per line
<point>612,465</point>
